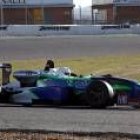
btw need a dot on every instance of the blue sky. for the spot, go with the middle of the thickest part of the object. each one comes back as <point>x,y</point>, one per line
<point>82,3</point>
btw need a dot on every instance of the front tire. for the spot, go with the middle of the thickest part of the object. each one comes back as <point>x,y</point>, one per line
<point>27,104</point>
<point>99,94</point>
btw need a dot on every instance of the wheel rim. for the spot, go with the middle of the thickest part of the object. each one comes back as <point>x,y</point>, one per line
<point>99,94</point>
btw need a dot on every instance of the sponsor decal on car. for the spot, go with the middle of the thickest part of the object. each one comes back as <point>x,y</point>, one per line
<point>122,99</point>
<point>3,28</point>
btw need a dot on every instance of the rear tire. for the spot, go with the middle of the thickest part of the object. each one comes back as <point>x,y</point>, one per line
<point>99,94</point>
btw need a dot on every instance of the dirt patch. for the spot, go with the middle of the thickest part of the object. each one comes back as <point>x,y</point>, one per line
<point>30,135</point>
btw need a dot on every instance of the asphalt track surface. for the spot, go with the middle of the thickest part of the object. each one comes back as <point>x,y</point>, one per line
<point>62,119</point>
<point>69,119</point>
<point>67,46</point>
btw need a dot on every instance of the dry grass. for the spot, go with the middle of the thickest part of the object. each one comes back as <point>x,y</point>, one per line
<point>19,135</point>
<point>125,65</point>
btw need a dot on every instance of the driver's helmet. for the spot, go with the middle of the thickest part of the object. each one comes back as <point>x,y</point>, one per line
<point>49,64</point>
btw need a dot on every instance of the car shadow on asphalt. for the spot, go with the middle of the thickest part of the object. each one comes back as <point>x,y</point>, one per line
<point>111,108</point>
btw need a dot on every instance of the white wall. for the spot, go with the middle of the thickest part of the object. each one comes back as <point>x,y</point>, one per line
<point>45,30</point>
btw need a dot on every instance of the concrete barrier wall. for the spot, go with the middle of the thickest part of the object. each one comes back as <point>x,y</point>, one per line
<point>43,30</point>
<point>135,29</point>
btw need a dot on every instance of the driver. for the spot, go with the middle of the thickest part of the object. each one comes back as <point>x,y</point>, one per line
<point>60,71</point>
<point>49,64</point>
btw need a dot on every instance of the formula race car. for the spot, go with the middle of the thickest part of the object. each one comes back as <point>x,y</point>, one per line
<point>59,86</point>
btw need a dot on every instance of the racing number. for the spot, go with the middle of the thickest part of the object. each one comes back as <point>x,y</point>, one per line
<point>122,99</point>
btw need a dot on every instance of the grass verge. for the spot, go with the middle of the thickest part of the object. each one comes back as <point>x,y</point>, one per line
<point>125,65</point>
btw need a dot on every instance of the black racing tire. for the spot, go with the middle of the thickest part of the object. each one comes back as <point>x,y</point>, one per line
<point>99,93</point>
<point>4,96</point>
<point>26,104</point>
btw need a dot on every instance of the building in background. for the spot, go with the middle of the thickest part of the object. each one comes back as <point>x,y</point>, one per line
<point>116,11</point>
<point>36,11</point>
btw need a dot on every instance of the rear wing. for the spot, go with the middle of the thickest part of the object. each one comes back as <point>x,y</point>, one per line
<point>6,70</point>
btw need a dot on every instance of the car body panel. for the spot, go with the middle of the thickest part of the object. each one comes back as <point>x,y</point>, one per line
<point>58,87</point>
